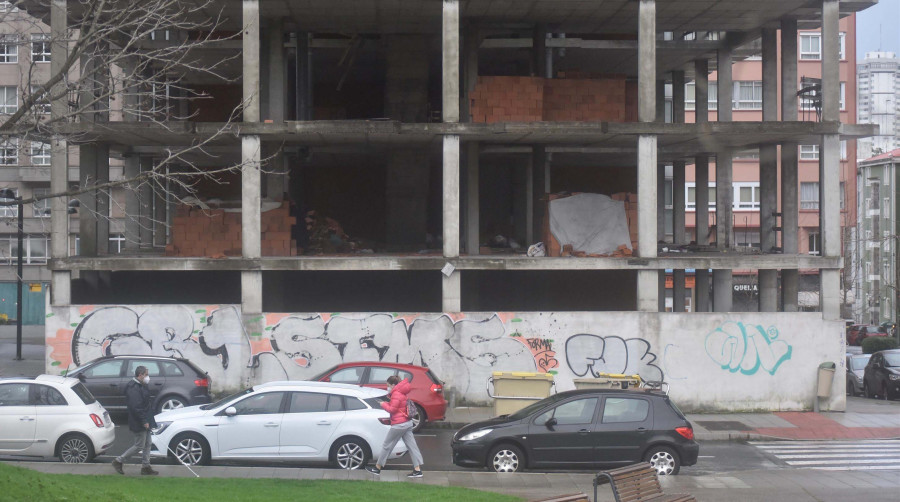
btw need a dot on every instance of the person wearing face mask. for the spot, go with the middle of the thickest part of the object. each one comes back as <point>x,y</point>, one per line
<point>401,427</point>
<point>140,421</point>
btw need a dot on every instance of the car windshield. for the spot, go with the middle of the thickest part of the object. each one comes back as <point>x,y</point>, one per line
<point>222,401</point>
<point>892,360</point>
<point>528,410</point>
<point>858,363</point>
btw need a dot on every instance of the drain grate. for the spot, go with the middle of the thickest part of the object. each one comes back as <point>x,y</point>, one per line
<point>723,425</point>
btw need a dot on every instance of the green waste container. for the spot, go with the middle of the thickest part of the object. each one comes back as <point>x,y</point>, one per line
<point>514,390</point>
<point>609,381</point>
<point>826,376</point>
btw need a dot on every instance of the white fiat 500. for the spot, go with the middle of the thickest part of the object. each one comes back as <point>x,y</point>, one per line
<point>305,421</point>
<point>52,416</point>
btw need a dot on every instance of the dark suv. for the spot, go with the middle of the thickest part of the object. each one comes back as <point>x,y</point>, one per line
<point>174,383</point>
<point>587,428</point>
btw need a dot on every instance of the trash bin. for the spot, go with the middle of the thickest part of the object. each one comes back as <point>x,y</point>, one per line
<point>826,376</point>
<point>609,381</point>
<point>515,390</point>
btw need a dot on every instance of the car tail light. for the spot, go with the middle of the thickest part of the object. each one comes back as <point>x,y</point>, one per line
<point>201,382</point>
<point>385,421</point>
<point>686,432</point>
<point>437,389</point>
<point>97,420</point>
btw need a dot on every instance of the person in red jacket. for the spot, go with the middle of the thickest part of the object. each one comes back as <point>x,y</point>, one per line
<point>401,427</point>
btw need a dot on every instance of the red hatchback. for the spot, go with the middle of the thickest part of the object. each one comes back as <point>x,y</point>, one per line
<point>859,332</point>
<point>427,389</point>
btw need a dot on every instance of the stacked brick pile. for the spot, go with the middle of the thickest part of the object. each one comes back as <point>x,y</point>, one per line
<point>533,99</point>
<point>507,99</point>
<point>217,234</point>
<point>630,200</point>
<point>554,248</point>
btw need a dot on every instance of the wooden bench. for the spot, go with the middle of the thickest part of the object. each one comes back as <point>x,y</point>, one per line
<point>636,483</point>
<point>574,497</point>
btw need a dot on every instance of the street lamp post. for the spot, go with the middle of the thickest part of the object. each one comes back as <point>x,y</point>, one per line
<point>21,229</point>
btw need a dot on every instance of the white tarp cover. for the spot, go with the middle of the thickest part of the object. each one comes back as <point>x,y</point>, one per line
<point>590,222</point>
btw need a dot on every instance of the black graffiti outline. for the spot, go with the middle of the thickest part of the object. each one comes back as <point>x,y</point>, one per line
<point>590,367</point>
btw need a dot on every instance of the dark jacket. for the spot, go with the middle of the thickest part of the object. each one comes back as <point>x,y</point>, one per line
<point>397,405</point>
<point>140,406</point>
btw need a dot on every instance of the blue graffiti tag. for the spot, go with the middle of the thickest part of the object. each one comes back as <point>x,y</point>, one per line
<point>747,348</point>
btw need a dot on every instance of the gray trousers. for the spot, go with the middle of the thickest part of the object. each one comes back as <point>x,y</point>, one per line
<point>394,435</point>
<point>141,442</point>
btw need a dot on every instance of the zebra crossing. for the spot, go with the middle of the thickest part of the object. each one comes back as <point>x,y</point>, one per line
<point>858,455</point>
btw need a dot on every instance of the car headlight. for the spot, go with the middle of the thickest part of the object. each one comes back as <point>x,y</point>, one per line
<point>894,377</point>
<point>475,435</point>
<point>160,427</point>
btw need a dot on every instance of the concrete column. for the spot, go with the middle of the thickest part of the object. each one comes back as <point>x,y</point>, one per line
<point>678,203</point>
<point>528,186</point>
<point>829,166</point>
<point>132,205</point>
<point>701,175</point>
<point>251,183</point>
<point>61,286</point>
<point>450,55</point>
<point>451,287</point>
<point>768,172</point>
<point>275,177</point>
<point>93,214</point>
<point>790,223</point>
<point>660,216</point>
<point>722,279</point>
<point>160,214</point>
<point>648,280</point>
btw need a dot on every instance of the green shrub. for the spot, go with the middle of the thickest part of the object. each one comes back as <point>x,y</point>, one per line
<point>873,344</point>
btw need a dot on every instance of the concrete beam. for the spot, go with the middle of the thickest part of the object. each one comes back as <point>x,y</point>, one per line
<point>789,164</point>
<point>450,61</point>
<point>61,287</point>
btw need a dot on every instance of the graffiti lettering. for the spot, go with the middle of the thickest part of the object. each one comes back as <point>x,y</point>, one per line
<point>611,354</point>
<point>738,347</point>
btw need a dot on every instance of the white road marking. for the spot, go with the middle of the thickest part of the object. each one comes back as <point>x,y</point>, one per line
<point>835,455</point>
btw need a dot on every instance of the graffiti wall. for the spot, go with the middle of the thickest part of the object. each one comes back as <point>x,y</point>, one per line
<point>711,361</point>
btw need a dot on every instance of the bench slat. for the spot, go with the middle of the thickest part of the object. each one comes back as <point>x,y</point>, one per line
<point>638,483</point>
<point>572,497</point>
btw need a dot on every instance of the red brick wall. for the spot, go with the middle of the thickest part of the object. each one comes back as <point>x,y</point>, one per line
<point>533,99</point>
<point>216,233</point>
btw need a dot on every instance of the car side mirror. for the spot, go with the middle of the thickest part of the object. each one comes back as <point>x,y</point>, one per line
<point>231,411</point>
<point>81,377</point>
<point>550,423</point>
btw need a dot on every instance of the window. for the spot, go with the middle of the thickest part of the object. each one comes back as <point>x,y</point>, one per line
<point>624,409</point>
<point>105,369</point>
<point>9,152</point>
<point>41,104</point>
<point>747,155</point>
<point>116,243</point>
<point>748,95</point>
<point>260,404</point>
<point>43,395</point>
<point>8,207</point>
<point>815,244</point>
<point>843,101</point>
<point>152,367</point>
<point>352,403</point>
<point>40,154</point>
<point>809,195</point>
<point>348,375</point>
<point>843,194</point>
<point>40,48</point>
<point>843,150</point>
<point>14,394</point>
<point>579,411</point>
<point>172,369</point>
<point>886,208</point>
<point>9,49</point>
<point>842,53</point>
<point>314,402</point>
<point>747,196</point>
<point>690,96</point>
<point>809,152</point>
<point>380,375</point>
<point>37,250</point>
<point>85,395</point>
<point>9,99</point>
<point>691,196</point>
<point>810,46</point>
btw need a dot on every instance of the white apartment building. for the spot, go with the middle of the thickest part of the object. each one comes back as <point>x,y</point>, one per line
<point>878,76</point>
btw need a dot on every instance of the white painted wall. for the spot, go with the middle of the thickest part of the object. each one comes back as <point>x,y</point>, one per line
<point>713,362</point>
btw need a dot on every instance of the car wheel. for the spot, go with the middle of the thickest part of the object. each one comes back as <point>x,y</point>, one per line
<point>167,403</point>
<point>506,458</point>
<point>75,449</point>
<point>664,460</point>
<point>884,391</point>
<point>850,390</point>
<point>190,449</point>
<point>419,418</point>
<point>350,453</point>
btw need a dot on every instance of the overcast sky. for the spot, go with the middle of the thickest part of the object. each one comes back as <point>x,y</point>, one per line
<point>886,15</point>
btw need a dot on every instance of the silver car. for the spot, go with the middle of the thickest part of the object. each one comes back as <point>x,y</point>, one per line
<point>856,365</point>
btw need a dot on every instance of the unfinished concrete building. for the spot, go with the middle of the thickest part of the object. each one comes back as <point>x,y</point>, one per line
<point>412,151</point>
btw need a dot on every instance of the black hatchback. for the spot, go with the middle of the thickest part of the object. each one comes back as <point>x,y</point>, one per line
<point>174,382</point>
<point>582,428</point>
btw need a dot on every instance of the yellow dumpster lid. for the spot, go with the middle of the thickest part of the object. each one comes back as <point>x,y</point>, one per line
<point>617,375</point>
<point>524,375</point>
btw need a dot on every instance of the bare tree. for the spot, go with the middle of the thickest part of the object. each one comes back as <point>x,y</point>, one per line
<point>126,61</point>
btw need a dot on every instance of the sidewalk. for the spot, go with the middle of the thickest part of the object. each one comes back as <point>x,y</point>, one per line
<point>794,485</point>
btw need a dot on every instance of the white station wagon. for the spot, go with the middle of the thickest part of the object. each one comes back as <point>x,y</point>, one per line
<point>52,416</point>
<point>296,421</point>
